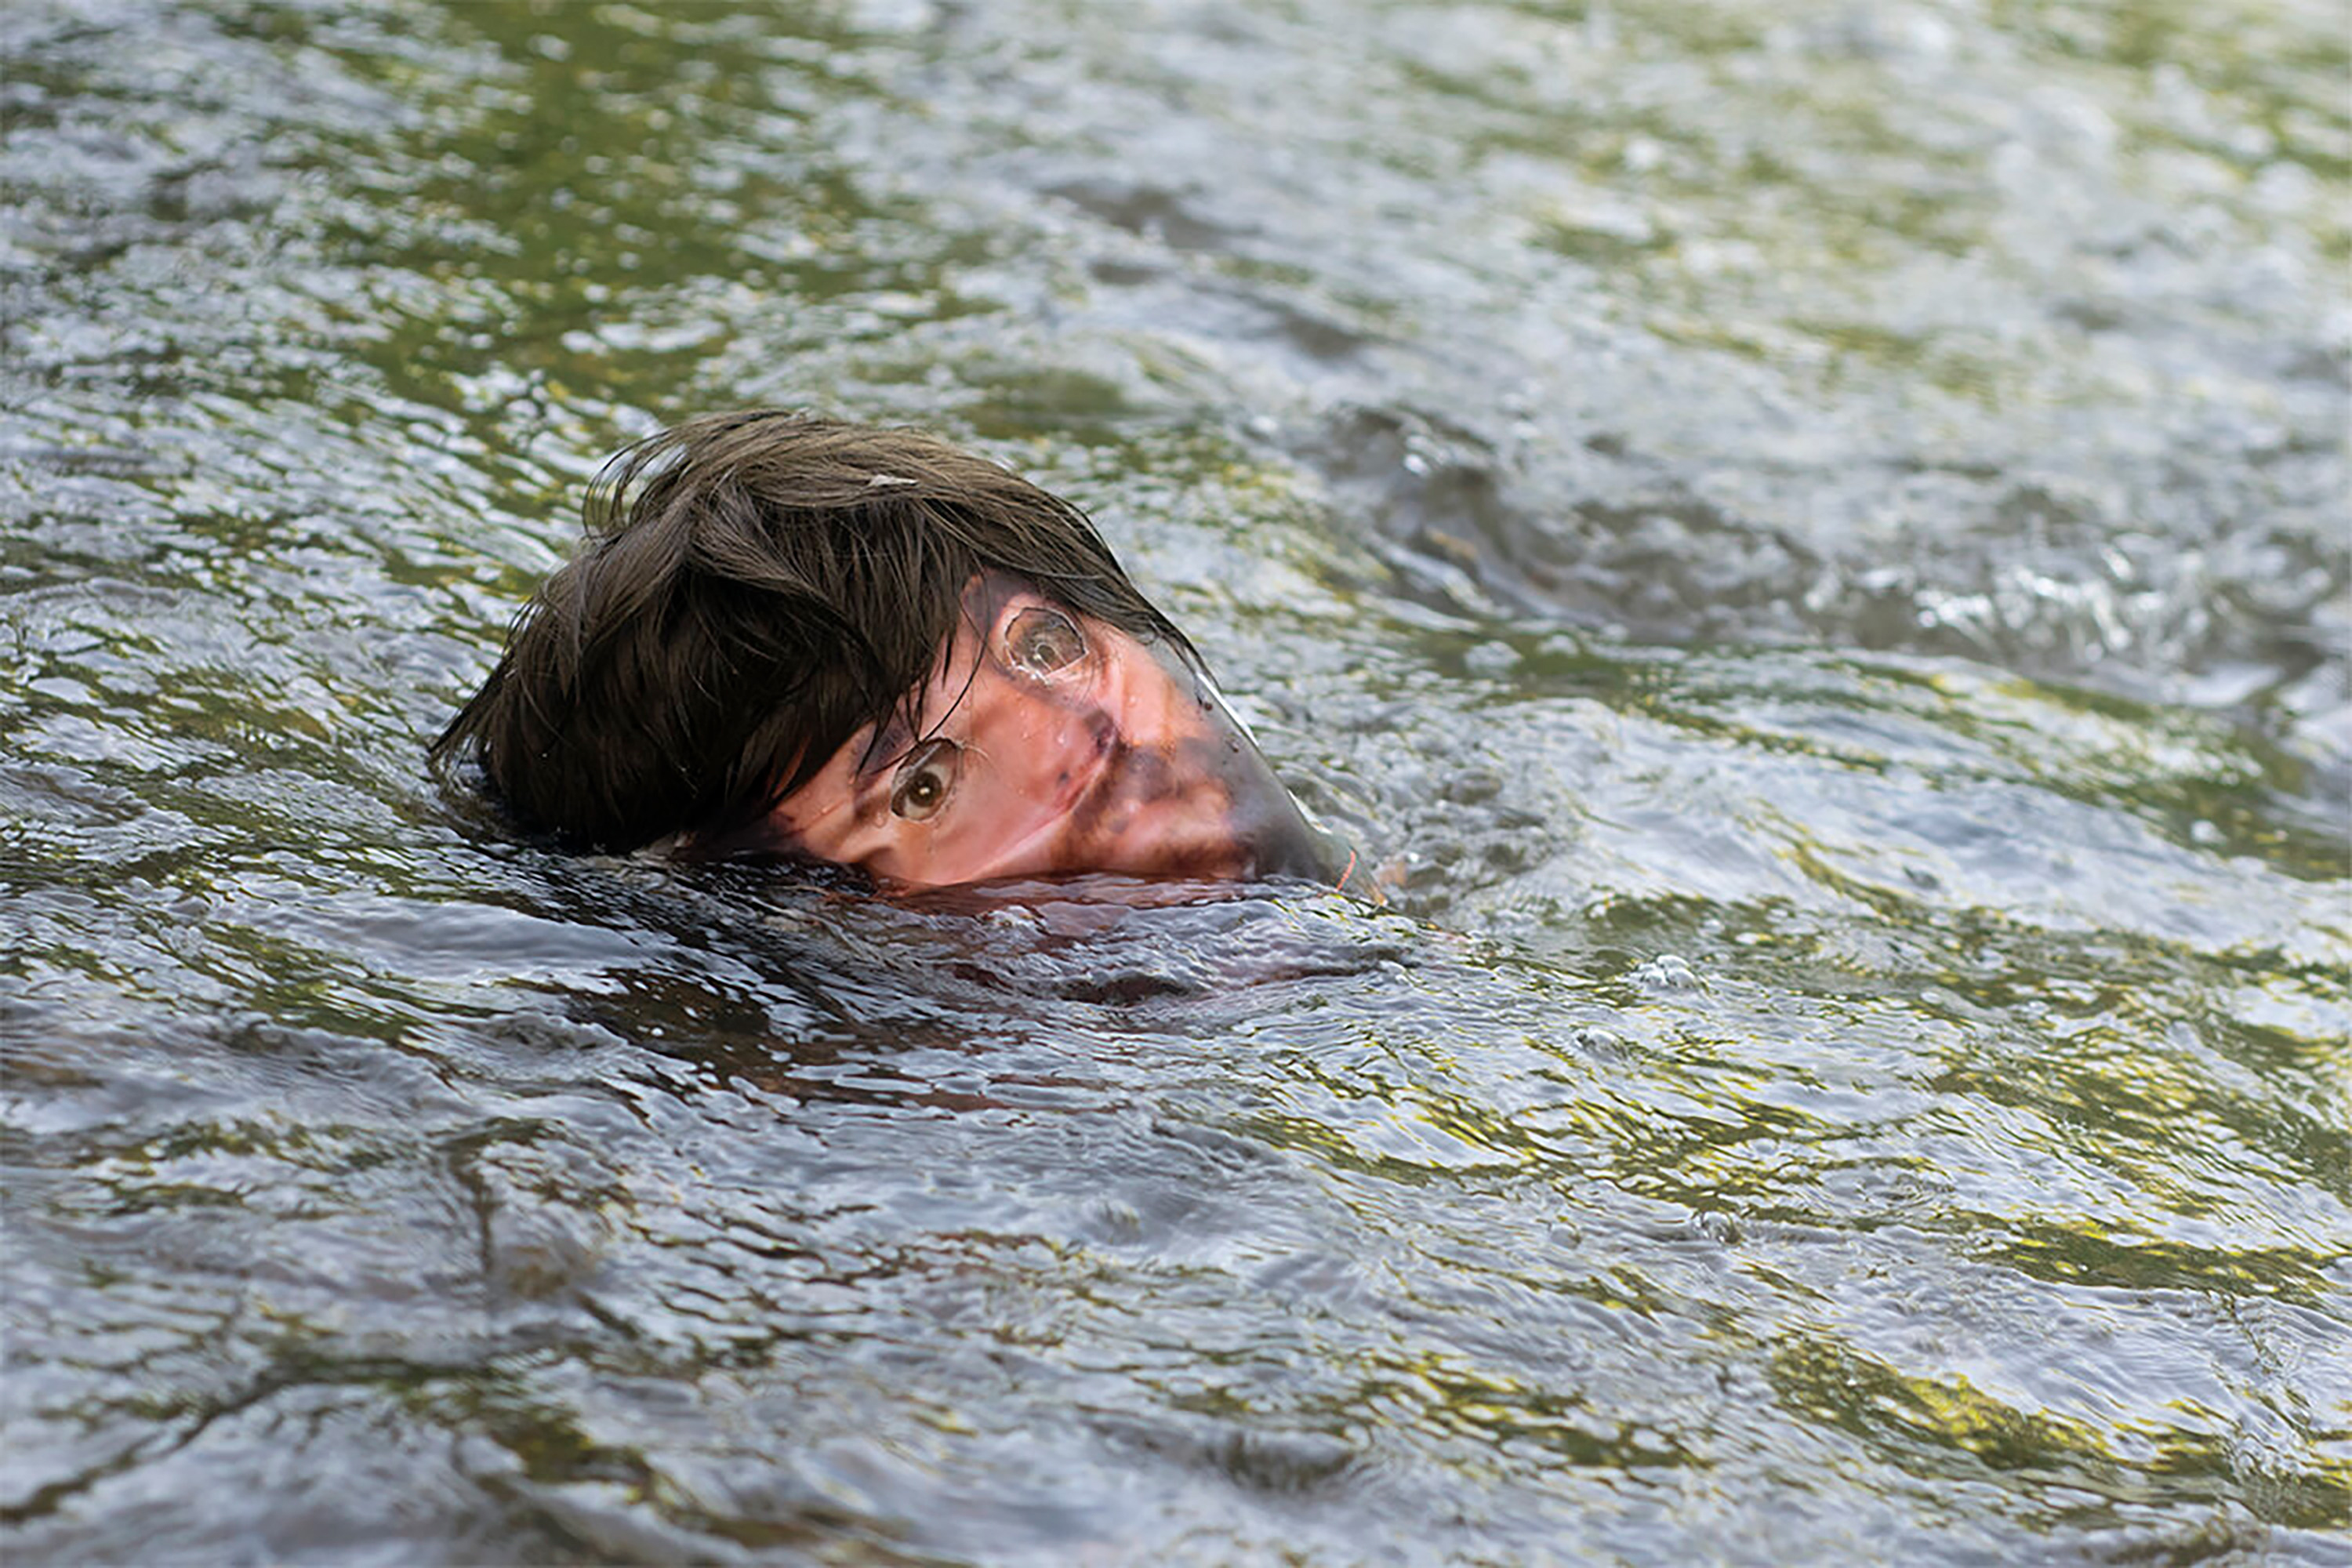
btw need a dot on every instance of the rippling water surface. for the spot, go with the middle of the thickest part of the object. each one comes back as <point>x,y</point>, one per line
<point>1813,536</point>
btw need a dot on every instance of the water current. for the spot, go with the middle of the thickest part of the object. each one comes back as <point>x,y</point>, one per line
<point>1813,536</point>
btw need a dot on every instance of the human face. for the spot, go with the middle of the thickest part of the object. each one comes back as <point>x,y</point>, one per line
<point>1053,743</point>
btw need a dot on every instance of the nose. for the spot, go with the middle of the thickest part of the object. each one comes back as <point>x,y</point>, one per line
<point>1186,791</point>
<point>1281,841</point>
<point>1272,835</point>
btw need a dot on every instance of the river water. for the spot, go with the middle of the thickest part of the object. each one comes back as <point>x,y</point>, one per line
<point>1811,537</point>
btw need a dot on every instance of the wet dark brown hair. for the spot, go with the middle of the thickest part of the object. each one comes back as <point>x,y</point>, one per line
<point>755,588</point>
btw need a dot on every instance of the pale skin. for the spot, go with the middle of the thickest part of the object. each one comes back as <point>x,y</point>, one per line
<point>1053,743</point>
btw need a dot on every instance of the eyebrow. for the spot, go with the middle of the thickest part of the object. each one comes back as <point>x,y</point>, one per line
<point>889,745</point>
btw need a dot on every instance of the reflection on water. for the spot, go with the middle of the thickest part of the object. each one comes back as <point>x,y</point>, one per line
<point>1811,536</point>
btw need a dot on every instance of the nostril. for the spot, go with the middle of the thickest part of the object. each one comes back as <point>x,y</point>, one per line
<point>1105,730</point>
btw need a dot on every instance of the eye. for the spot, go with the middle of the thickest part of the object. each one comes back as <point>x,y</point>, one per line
<point>924,780</point>
<point>1042,641</point>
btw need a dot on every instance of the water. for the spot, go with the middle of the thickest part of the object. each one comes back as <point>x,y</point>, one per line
<point>1811,537</point>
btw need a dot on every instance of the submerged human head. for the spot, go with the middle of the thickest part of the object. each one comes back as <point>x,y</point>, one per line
<point>795,636</point>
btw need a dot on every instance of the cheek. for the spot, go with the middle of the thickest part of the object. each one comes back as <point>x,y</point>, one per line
<point>822,819</point>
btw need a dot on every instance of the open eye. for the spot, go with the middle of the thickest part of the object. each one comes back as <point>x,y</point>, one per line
<point>924,780</point>
<point>1042,641</point>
